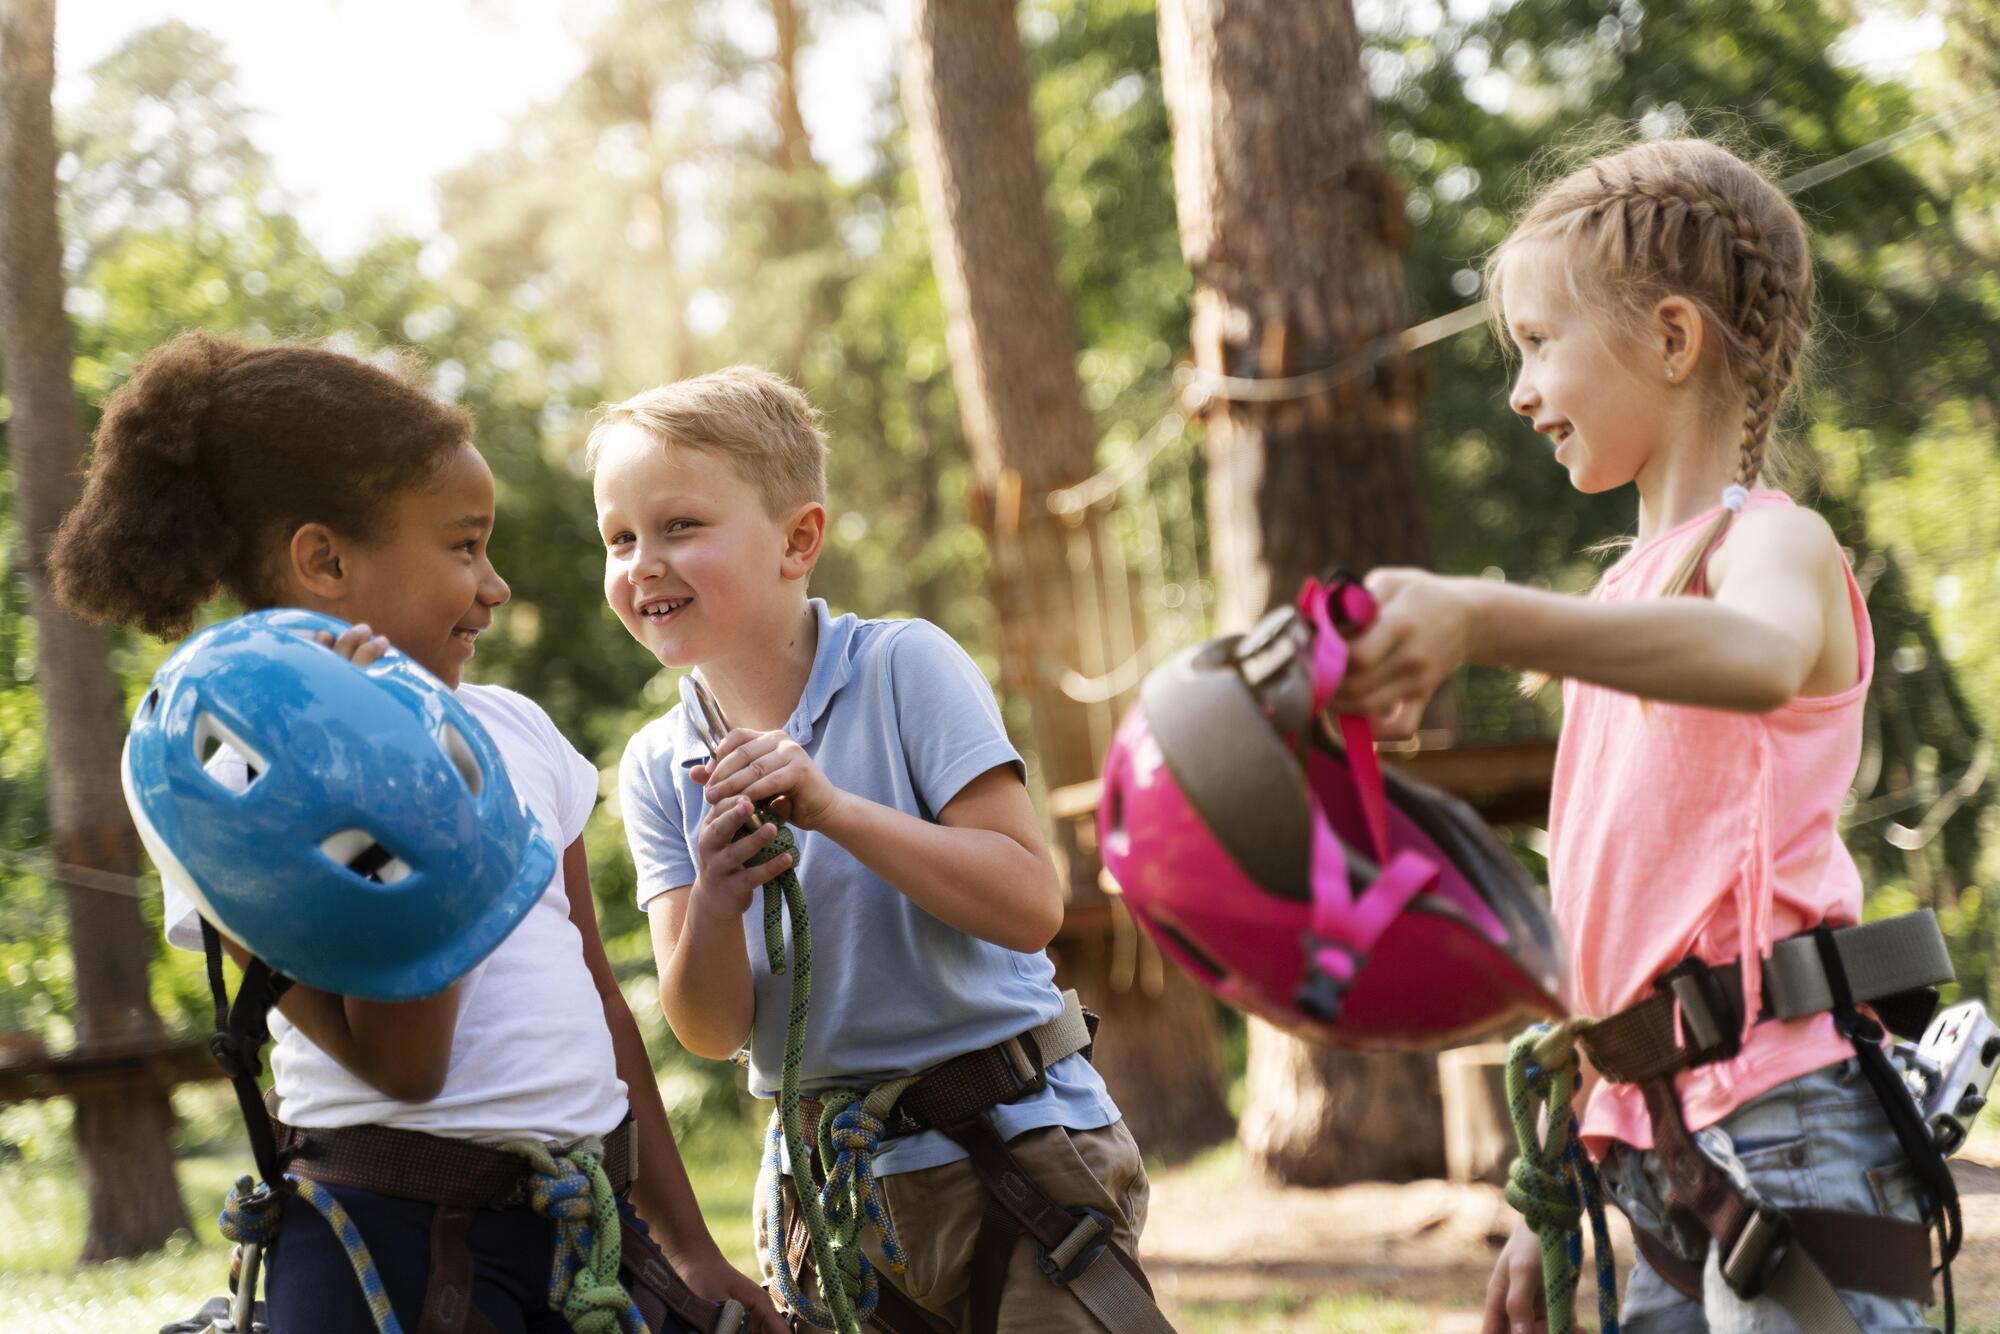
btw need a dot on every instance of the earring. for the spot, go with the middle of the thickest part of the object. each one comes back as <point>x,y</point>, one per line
<point>1670,372</point>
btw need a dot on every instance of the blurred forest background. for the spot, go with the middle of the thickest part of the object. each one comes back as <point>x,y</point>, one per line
<point>560,277</point>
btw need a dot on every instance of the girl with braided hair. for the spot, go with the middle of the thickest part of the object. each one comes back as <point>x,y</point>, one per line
<point>1659,299</point>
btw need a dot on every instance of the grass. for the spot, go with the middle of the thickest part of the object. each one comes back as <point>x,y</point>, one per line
<point>41,1222</point>
<point>1283,1309</point>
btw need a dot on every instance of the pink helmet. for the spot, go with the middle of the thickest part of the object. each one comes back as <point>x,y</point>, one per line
<point>1279,865</point>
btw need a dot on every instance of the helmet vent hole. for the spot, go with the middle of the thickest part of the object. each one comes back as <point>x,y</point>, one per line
<point>359,852</point>
<point>1114,807</point>
<point>151,702</point>
<point>212,737</point>
<point>459,751</point>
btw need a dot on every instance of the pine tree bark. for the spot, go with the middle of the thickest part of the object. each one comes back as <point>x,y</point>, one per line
<point>122,1139</point>
<point>1013,358</point>
<point>1294,231</point>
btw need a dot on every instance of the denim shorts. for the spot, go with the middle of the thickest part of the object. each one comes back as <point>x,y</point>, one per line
<point>1820,1141</point>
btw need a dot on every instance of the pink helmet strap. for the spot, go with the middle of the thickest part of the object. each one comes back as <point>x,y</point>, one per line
<point>1328,665</point>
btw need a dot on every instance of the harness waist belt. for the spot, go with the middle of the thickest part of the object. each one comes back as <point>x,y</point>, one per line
<point>411,1165</point>
<point>1894,964</point>
<point>967,1085</point>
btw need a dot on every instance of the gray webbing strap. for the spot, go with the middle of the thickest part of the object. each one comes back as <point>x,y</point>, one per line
<point>1884,958</point>
<point>1110,1293</point>
<point>1803,1289</point>
<point>1063,1036</point>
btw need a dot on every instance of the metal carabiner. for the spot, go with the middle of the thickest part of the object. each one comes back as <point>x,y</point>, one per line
<point>709,723</point>
<point>712,726</point>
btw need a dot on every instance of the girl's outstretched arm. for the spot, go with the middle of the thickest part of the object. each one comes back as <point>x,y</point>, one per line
<point>1775,627</point>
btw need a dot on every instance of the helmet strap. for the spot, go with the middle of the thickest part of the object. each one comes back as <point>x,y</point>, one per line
<point>241,1030</point>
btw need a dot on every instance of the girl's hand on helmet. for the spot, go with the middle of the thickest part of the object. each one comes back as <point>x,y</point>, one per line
<point>724,881</point>
<point>1423,625</point>
<point>357,643</point>
<point>765,766</point>
<point>1515,1300</point>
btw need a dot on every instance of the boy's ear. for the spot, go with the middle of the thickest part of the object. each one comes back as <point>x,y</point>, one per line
<point>805,536</point>
<point>313,562</point>
<point>1678,333</point>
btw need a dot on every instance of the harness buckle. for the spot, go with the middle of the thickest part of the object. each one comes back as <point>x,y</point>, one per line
<point>236,1054</point>
<point>1079,1250</point>
<point>1025,1066</point>
<point>1760,1247</point>
<point>1711,1027</point>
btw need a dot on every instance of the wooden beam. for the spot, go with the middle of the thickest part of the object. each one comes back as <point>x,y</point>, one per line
<point>107,1070</point>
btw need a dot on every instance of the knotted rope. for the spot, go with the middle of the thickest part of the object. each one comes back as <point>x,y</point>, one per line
<point>1552,1183</point>
<point>572,1192</point>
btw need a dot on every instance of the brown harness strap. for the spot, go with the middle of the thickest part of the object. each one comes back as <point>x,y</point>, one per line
<point>1037,1214</point>
<point>659,1292</point>
<point>1899,1269</point>
<point>992,1253</point>
<point>411,1165</point>
<point>448,1307</point>
<point>1682,1275</point>
<point>955,1097</point>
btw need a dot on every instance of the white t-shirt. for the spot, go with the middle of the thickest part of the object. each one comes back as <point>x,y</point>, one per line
<point>531,1055</point>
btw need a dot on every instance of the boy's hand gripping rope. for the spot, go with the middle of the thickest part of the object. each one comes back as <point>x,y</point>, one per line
<point>1552,1183</point>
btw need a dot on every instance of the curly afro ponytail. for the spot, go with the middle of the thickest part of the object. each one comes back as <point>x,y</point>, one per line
<point>214,453</point>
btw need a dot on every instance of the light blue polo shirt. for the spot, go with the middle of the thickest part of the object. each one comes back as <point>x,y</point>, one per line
<point>894,711</point>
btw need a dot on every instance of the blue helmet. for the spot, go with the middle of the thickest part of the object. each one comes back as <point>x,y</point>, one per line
<point>379,849</point>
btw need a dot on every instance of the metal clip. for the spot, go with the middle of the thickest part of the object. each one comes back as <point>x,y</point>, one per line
<point>709,724</point>
<point>1759,1249</point>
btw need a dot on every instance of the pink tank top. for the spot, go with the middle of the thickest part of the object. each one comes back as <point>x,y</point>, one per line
<point>1677,830</point>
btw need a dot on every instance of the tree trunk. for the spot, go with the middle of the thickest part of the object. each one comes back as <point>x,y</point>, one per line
<point>1294,229</point>
<point>794,146</point>
<point>122,1139</point>
<point>1013,360</point>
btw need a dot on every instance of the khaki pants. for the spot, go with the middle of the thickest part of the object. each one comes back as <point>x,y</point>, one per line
<point>937,1213</point>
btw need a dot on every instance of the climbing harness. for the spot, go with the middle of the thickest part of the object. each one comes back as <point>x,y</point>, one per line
<point>834,1179</point>
<point>1269,854</point>
<point>1695,1017</point>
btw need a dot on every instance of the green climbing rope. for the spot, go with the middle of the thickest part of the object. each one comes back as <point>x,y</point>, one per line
<point>851,1127</point>
<point>572,1192</point>
<point>836,1307</point>
<point>1552,1183</point>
